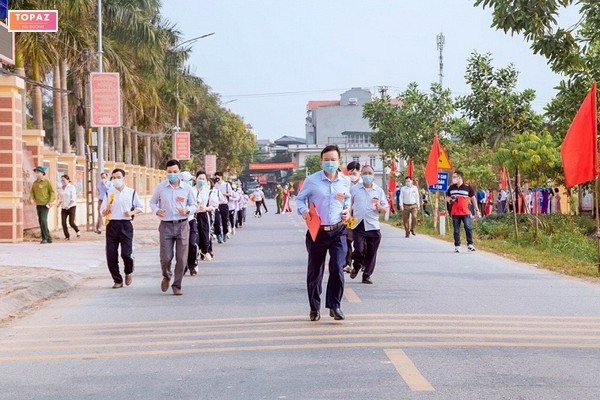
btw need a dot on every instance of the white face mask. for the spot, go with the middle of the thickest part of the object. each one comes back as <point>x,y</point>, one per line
<point>118,182</point>
<point>354,178</point>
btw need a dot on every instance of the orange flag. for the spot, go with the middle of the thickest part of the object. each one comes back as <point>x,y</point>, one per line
<point>431,170</point>
<point>579,151</point>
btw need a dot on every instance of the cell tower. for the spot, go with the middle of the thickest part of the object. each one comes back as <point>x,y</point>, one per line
<point>441,41</point>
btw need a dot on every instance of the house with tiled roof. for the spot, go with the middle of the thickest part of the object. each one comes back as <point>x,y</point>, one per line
<point>340,122</point>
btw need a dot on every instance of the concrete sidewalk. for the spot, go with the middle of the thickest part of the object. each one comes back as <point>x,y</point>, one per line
<point>31,272</point>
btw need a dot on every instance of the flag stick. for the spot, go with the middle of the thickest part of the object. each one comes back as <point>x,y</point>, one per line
<point>597,221</point>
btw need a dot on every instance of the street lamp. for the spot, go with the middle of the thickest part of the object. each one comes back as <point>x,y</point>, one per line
<point>176,127</point>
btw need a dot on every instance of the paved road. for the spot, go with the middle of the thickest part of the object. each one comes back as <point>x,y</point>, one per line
<point>435,325</point>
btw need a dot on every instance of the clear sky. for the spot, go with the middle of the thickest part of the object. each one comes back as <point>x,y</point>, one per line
<point>268,58</point>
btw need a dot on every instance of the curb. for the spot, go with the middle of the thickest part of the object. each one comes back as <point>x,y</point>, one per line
<point>22,298</point>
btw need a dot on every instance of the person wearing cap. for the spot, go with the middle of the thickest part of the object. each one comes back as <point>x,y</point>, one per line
<point>118,207</point>
<point>329,191</point>
<point>192,260</point>
<point>173,202</point>
<point>43,194</point>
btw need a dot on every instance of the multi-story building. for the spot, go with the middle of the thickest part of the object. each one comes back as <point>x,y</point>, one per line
<point>340,122</point>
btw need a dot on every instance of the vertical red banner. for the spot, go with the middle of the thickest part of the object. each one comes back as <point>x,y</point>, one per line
<point>105,93</point>
<point>182,146</point>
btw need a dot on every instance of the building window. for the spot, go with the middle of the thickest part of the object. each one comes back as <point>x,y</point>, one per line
<point>356,159</point>
<point>372,160</point>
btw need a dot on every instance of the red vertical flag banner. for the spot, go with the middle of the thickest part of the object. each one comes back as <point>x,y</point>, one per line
<point>431,169</point>
<point>579,151</point>
<point>410,170</point>
<point>503,179</point>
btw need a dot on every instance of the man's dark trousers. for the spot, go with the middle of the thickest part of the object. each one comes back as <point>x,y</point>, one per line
<point>193,249</point>
<point>366,244</point>
<point>119,232</point>
<point>335,242</point>
<point>42,212</point>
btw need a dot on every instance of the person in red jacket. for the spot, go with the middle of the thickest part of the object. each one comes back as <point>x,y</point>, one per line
<point>458,196</point>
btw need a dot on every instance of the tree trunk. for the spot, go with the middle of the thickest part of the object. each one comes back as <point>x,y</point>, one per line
<point>135,159</point>
<point>127,145</point>
<point>111,144</point>
<point>57,133</point>
<point>64,106</point>
<point>119,144</point>
<point>36,99</point>
<point>79,130</point>
<point>148,152</point>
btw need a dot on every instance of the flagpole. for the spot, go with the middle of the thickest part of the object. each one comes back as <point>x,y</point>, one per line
<point>597,222</point>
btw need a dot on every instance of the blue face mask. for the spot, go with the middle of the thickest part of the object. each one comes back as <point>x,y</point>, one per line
<point>368,179</point>
<point>201,183</point>
<point>330,166</point>
<point>173,177</point>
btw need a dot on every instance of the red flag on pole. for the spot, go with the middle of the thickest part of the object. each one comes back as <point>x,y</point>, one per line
<point>431,170</point>
<point>410,170</point>
<point>579,151</point>
<point>503,178</point>
<point>392,180</point>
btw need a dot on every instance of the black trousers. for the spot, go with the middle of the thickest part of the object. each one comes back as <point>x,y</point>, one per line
<point>192,260</point>
<point>258,206</point>
<point>204,232</point>
<point>334,242</point>
<point>119,232</point>
<point>221,220</point>
<point>240,218</point>
<point>70,213</point>
<point>366,244</point>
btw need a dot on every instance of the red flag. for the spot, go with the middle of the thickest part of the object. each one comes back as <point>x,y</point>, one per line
<point>431,170</point>
<point>392,180</point>
<point>579,150</point>
<point>503,178</point>
<point>410,170</point>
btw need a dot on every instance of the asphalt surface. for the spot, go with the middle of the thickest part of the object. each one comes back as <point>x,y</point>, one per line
<point>434,325</point>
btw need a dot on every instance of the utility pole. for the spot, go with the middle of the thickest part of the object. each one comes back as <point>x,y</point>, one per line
<point>441,41</point>
<point>384,185</point>
<point>100,128</point>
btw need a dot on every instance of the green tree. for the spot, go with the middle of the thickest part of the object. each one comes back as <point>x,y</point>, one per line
<point>537,21</point>
<point>535,155</point>
<point>405,127</point>
<point>494,110</point>
<point>311,165</point>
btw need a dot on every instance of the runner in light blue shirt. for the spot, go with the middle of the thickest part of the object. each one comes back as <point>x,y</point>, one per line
<point>329,190</point>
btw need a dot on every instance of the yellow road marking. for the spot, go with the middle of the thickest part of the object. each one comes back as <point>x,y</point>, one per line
<point>309,337</point>
<point>331,328</point>
<point>351,296</point>
<point>408,371</point>
<point>453,317</point>
<point>312,346</point>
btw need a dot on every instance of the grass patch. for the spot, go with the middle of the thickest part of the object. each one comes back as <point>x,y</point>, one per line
<point>566,244</point>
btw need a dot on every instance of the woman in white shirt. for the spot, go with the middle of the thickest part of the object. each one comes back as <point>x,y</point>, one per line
<point>67,196</point>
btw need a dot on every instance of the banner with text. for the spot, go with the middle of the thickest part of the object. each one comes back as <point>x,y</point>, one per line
<point>105,94</point>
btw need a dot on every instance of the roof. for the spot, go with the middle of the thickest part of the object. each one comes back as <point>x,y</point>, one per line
<point>314,104</point>
<point>285,140</point>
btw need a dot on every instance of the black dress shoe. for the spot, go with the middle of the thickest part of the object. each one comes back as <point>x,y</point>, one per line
<point>354,273</point>
<point>367,280</point>
<point>337,314</point>
<point>413,233</point>
<point>315,315</point>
